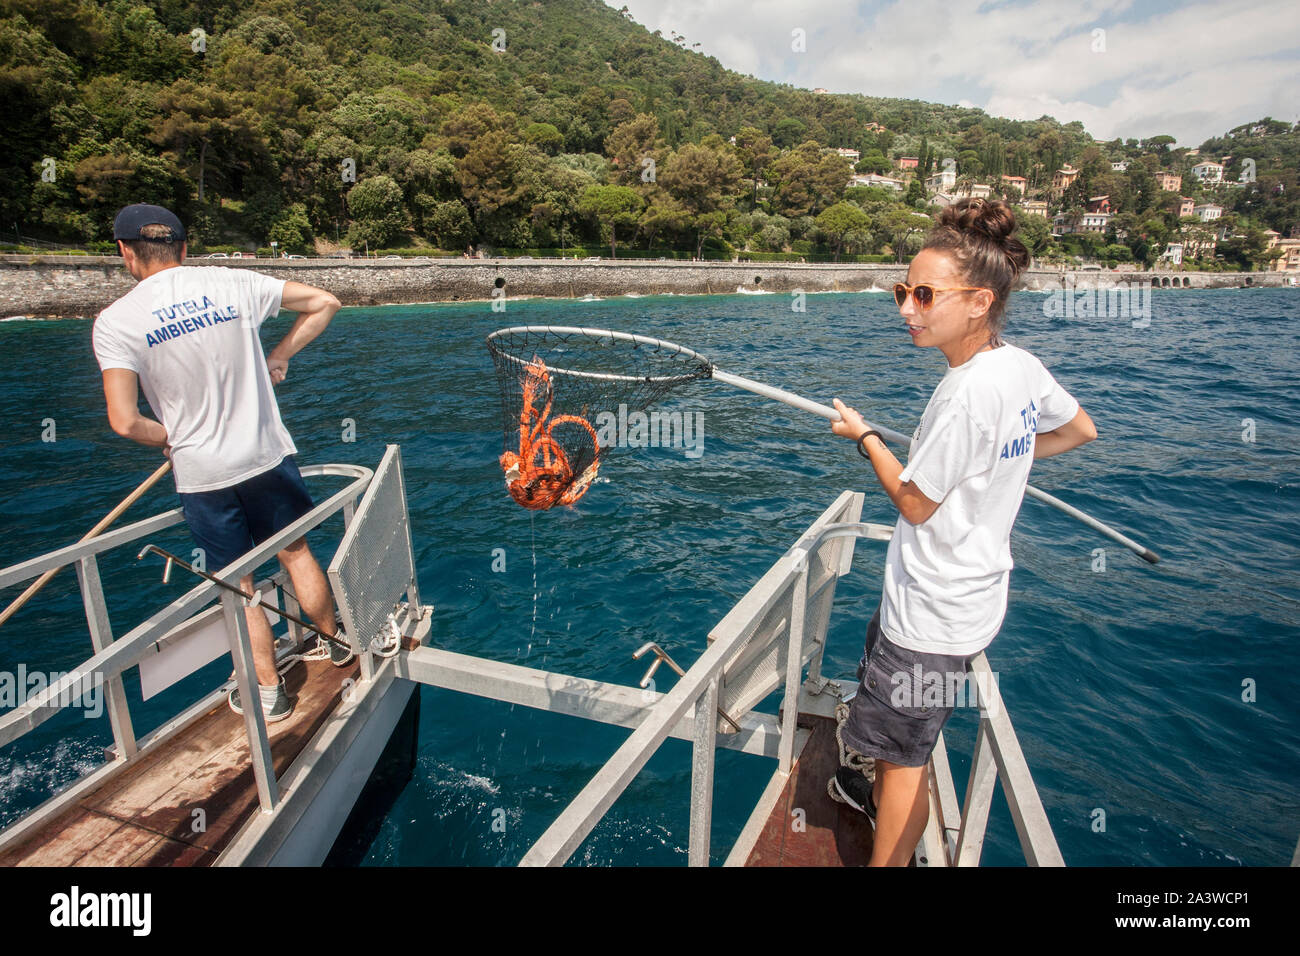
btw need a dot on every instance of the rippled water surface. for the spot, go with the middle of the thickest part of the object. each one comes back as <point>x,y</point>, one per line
<point>1161,701</point>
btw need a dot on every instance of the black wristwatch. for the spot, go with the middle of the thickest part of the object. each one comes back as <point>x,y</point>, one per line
<point>861,438</point>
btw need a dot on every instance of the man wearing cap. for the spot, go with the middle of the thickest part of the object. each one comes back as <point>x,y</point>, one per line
<point>188,336</point>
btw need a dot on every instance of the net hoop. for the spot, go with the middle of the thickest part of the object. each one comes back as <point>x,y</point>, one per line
<point>659,344</point>
<point>558,375</point>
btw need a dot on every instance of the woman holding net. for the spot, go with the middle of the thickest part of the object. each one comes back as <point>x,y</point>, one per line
<point>949,561</point>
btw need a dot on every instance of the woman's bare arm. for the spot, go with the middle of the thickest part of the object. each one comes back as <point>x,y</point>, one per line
<point>1077,431</point>
<point>910,501</point>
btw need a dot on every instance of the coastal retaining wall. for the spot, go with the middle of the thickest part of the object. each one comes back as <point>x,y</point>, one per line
<point>83,285</point>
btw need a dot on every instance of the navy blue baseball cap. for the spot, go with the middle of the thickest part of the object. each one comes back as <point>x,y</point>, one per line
<point>132,219</point>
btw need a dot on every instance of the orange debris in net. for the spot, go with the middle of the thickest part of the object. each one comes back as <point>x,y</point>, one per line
<point>540,476</point>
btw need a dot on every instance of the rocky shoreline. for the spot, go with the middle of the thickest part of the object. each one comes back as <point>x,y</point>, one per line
<point>68,286</point>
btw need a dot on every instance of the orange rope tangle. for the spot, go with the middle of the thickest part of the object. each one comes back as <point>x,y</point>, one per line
<point>540,476</point>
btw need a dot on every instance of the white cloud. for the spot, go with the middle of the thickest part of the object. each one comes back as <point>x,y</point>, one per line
<point>1192,71</point>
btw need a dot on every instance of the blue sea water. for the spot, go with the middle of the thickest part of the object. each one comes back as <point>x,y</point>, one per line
<point>1158,707</point>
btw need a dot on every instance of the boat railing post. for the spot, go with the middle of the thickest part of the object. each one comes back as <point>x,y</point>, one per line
<point>979,799</point>
<point>413,598</point>
<point>576,821</point>
<point>291,605</point>
<point>702,759</point>
<point>793,669</point>
<point>998,757</point>
<point>259,744</point>
<point>1023,801</point>
<point>841,561</point>
<point>413,587</point>
<point>101,635</point>
<point>944,807</point>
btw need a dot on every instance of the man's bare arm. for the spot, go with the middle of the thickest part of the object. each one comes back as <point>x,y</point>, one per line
<point>122,395</point>
<point>315,308</point>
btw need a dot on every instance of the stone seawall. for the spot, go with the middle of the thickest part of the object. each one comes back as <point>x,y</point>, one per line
<point>82,285</point>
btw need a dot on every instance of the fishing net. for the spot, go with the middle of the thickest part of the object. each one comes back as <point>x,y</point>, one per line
<point>559,385</point>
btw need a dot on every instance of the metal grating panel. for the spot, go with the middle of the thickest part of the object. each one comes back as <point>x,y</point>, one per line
<point>374,566</point>
<point>759,667</point>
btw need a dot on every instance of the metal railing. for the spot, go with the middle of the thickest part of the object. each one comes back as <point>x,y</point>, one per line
<point>770,629</point>
<point>997,757</point>
<point>114,656</point>
<point>20,240</point>
<point>775,630</point>
<point>762,644</point>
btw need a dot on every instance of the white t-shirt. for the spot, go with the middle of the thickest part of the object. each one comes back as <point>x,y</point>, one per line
<point>191,335</point>
<point>946,579</point>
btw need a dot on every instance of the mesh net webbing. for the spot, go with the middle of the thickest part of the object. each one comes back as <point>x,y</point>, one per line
<point>555,384</point>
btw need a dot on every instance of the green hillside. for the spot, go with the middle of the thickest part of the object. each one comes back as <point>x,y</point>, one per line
<point>527,125</point>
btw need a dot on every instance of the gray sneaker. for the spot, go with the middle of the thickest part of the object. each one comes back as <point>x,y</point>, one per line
<point>340,654</point>
<point>279,710</point>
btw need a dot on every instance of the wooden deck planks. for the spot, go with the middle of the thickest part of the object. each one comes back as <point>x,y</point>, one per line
<point>67,839</point>
<point>145,816</point>
<point>825,833</point>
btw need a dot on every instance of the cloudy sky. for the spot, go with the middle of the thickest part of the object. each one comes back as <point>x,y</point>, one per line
<point>1127,68</point>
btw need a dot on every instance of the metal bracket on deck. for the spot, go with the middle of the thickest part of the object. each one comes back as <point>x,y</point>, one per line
<point>661,657</point>
<point>818,685</point>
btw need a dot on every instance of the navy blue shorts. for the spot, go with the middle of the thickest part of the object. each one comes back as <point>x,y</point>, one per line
<point>904,699</point>
<point>230,522</point>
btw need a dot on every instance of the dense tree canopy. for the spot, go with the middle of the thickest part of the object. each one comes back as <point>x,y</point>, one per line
<point>448,123</point>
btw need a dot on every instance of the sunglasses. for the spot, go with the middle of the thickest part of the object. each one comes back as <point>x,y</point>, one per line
<point>923,294</point>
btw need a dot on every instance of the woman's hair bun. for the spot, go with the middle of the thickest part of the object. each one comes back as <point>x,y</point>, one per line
<point>984,219</point>
<point>993,218</point>
<point>979,234</point>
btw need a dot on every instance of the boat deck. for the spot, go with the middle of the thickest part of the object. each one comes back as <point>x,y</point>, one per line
<point>148,815</point>
<point>828,833</point>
